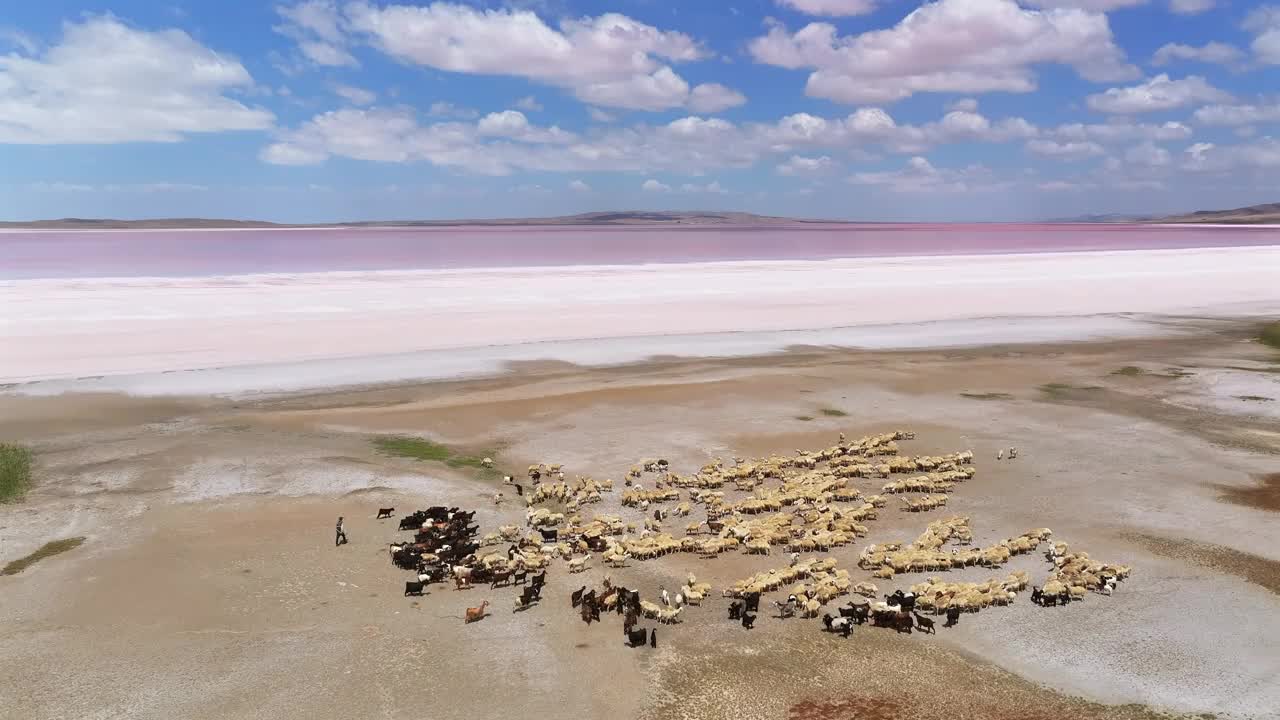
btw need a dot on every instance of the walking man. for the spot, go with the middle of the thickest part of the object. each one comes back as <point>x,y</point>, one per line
<point>341,537</point>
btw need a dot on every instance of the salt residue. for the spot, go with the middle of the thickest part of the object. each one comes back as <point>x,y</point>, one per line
<point>294,331</point>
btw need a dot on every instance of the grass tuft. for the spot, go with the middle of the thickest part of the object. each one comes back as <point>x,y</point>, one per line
<point>15,472</point>
<point>1129,371</point>
<point>49,549</point>
<point>1270,335</point>
<point>832,412</point>
<point>1064,389</point>
<point>987,396</point>
<point>804,418</point>
<point>1254,398</point>
<point>428,451</point>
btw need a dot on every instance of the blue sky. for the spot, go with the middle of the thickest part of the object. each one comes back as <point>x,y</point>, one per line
<point>328,110</point>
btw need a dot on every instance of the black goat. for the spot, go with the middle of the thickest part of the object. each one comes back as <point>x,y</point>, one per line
<point>413,587</point>
<point>637,638</point>
<point>385,512</point>
<point>735,610</point>
<point>748,620</point>
<point>753,602</point>
<point>575,598</point>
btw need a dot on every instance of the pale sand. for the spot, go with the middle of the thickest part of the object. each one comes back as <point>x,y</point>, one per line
<point>63,329</point>
<point>209,588</point>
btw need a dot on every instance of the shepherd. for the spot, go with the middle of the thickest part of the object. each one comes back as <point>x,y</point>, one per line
<point>341,537</point>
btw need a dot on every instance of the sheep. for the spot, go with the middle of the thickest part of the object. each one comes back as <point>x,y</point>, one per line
<point>475,614</point>
<point>670,617</point>
<point>579,564</point>
<point>497,498</point>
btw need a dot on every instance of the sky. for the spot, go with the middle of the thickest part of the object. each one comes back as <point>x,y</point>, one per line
<point>329,110</point>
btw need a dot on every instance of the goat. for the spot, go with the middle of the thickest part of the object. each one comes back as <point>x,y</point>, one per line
<point>748,620</point>
<point>575,598</point>
<point>924,623</point>
<point>735,610</point>
<point>637,638</point>
<point>474,614</point>
<point>413,588</point>
<point>385,512</point>
<point>527,598</point>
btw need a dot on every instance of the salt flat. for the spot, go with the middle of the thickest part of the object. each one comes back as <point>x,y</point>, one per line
<point>73,328</point>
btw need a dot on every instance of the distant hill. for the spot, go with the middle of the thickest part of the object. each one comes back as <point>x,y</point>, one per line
<point>615,217</point>
<point>1252,215</point>
<point>1113,218</point>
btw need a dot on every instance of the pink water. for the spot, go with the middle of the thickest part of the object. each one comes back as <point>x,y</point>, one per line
<point>62,254</point>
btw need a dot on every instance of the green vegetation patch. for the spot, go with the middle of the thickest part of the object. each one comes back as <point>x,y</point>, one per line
<point>1129,371</point>
<point>49,549</point>
<point>428,451</point>
<point>1254,398</point>
<point>987,396</point>
<point>1172,373</point>
<point>1270,335</point>
<point>1066,389</point>
<point>832,412</point>
<point>15,472</point>
<point>804,418</point>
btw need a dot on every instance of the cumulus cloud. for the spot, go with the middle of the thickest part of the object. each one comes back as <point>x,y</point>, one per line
<point>801,165</point>
<point>714,97</point>
<point>1120,130</point>
<point>712,187</point>
<point>611,60</point>
<point>920,176</point>
<point>1237,115</point>
<point>1264,23</point>
<point>1091,5</point>
<point>600,116</point>
<point>449,110</point>
<point>355,95</point>
<point>1262,154</point>
<point>579,186</point>
<point>654,186</point>
<point>513,124</point>
<point>529,103</point>
<point>505,142</point>
<point>832,8</point>
<point>1148,154</point>
<point>105,82</point>
<point>969,46</point>
<point>1071,150</point>
<point>1215,52</point>
<point>1157,94</point>
<point>317,27</point>
<point>1191,7</point>
<point>964,104</point>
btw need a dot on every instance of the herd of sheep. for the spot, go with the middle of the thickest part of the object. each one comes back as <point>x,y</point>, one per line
<point>800,503</point>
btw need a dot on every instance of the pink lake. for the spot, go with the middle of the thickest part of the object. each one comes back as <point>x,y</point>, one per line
<point>184,253</point>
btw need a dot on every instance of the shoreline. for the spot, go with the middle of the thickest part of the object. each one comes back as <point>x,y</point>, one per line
<point>361,324</point>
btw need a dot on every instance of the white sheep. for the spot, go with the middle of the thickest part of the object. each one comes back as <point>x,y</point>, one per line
<point>579,564</point>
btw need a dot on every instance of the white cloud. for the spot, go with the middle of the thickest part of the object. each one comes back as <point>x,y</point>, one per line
<point>1147,154</point>
<point>579,186</point>
<point>18,39</point>
<point>157,187</point>
<point>712,187</point>
<point>833,8</point>
<point>801,165</point>
<point>316,26</point>
<point>1077,150</point>
<point>601,116</point>
<point>1157,94</point>
<point>964,105</point>
<point>1191,7</point>
<point>60,187</point>
<point>1232,115</point>
<point>610,60</point>
<point>714,97</point>
<point>1060,186</point>
<point>109,83</point>
<point>505,142</point>
<point>1262,154</point>
<point>1120,130</point>
<point>355,95</point>
<point>1214,52</point>
<point>513,124</point>
<point>448,109</point>
<point>654,186</point>
<point>529,103</point>
<point>1264,23</point>
<point>920,176</point>
<point>967,46</point>
<point>1090,5</point>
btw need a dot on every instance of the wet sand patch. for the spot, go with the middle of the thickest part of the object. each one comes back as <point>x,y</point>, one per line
<point>1263,496</point>
<point>1247,566</point>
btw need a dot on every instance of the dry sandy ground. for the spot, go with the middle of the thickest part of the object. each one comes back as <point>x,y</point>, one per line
<point>209,587</point>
